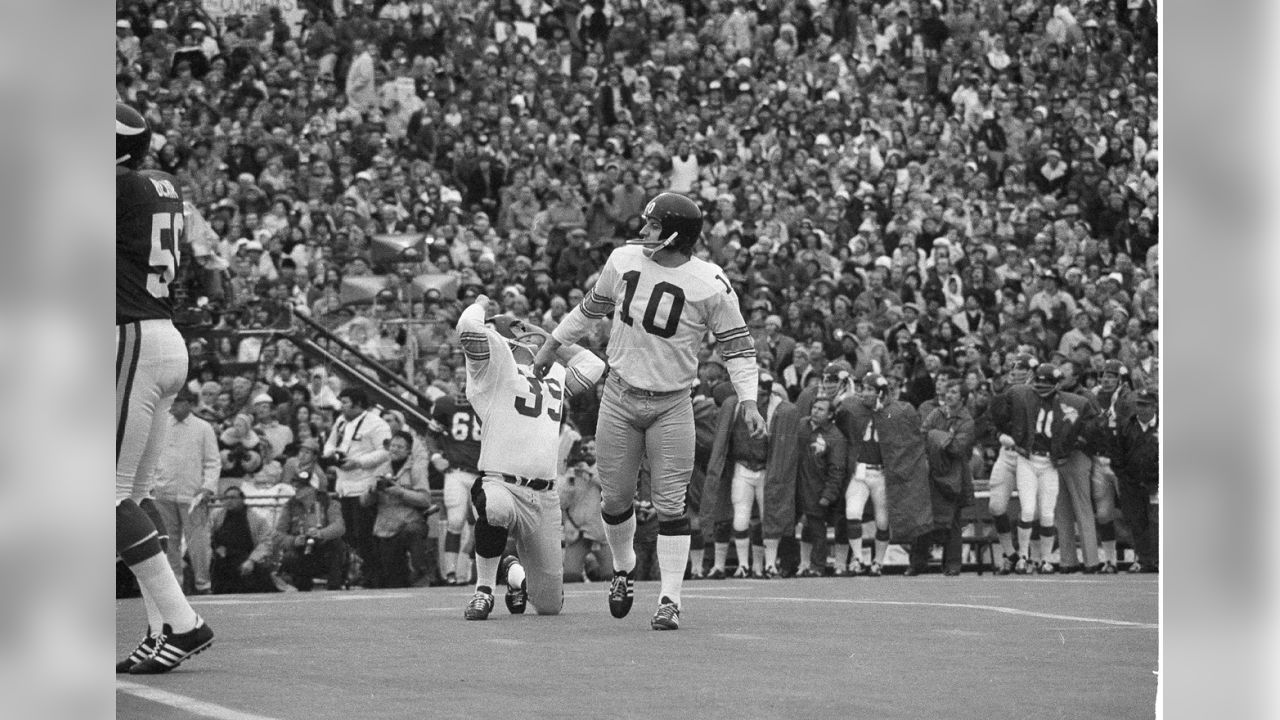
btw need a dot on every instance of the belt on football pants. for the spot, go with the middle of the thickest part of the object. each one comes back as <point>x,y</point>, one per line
<point>531,483</point>
<point>626,387</point>
<point>869,466</point>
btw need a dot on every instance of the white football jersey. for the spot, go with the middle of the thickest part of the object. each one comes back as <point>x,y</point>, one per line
<point>519,411</point>
<point>662,316</point>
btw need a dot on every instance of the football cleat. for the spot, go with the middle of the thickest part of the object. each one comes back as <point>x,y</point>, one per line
<point>1108,568</point>
<point>1046,568</point>
<point>809,572</point>
<point>621,593</point>
<point>770,573</point>
<point>667,617</point>
<point>145,649</point>
<point>874,570</point>
<point>172,649</point>
<point>518,598</point>
<point>1007,563</point>
<point>1022,566</point>
<point>480,606</point>
<point>716,574</point>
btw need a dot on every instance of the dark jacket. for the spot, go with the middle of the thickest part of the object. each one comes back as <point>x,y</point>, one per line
<point>1014,412</point>
<point>779,513</point>
<point>906,467</point>
<point>950,441</point>
<point>823,466</point>
<point>1137,454</point>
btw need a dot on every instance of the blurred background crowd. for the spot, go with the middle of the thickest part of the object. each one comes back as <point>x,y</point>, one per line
<point>911,187</point>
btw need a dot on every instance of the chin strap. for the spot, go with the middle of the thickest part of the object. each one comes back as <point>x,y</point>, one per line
<point>648,251</point>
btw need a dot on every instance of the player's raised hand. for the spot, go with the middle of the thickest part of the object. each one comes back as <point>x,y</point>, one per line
<point>755,421</point>
<point>545,358</point>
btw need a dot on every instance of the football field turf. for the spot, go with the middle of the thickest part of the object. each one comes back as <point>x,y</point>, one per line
<point>892,647</point>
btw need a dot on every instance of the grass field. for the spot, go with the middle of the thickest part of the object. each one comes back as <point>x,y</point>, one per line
<point>892,647</point>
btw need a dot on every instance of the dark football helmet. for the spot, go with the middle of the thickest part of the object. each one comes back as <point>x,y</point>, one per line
<point>679,220</point>
<point>1046,380</point>
<point>133,137</point>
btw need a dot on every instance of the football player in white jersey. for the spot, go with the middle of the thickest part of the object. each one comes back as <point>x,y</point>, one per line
<point>515,494</point>
<point>666,302</point>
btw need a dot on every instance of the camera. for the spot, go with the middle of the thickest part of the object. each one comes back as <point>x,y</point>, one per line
<point>335,460</point>
<point>384,482</point>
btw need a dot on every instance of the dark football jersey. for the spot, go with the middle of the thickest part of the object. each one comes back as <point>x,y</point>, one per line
<point>460,439</point>
<point>149,225</point>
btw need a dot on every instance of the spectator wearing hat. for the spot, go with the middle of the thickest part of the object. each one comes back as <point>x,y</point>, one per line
<point>240,450</point>
<point>267,424</point>
<point>1136,462</point>
<point>1081,333</point>
<point>950,435</point>
<point>186,477</point>
<point>203,40</point>
<point>1057,305</point>
<point>306,460</point>
<point>361,84</point>
<point>310,532</point>
<point>128,46</point>
<point>243,547</point>
<point>400,496</point>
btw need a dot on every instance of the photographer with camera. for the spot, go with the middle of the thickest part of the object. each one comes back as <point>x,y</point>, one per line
<point>243,547</point>
<point>580,508</point>
<point>400,496</point>
<point>310,531</point>
<point>357,450</point>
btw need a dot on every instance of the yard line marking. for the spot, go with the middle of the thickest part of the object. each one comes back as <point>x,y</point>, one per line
<point>296,597</point>
<point>186,704</point>
<point>963,606</point>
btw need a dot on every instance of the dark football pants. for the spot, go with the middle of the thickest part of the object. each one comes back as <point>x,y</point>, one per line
<point>658,427</point>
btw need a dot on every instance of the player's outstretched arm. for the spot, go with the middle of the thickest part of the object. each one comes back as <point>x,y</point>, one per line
<point>473,336</point>
<point>596,304</point>
<point>584,368</point>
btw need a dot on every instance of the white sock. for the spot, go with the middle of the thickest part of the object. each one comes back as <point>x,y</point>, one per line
<point>806,549</point>
<point>855,551</point>
<point>1108,551</point>
<point>882,547</point>
<point>721,556</point>
<point>487,571</point>
<point>757,559</point>
<point>622,538</point>
<point>696,560</point>
<point>771,553</point>
<point>743,546</point>
<point>156,576</point>
<point>1006,543</point>
<point>1046,547</point>
<point>673,553</point>
<point>515,575</point>
<point>451,563</point>
<point>154,620</point>
<point>1024,541</point>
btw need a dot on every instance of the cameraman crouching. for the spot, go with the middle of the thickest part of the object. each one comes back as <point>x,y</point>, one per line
<point>400,497</point>
<point>310,529</point>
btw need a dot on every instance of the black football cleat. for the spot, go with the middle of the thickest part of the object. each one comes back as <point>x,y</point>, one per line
<point>173,649</point>
<point>667,617</point>
<point>145,649</point>
<point>621,593</point>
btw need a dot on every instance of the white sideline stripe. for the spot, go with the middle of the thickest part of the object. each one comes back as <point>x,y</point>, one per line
<point>277,598</point>
<point>963,606</point>
<point>186,704</point>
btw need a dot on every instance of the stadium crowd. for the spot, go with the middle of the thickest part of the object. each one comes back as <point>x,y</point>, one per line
<point>924,190</point>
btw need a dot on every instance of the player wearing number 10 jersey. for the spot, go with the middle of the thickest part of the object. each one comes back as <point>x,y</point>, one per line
<point>458,429</point>
<point>151,365</point>
<point>666,302</point>
<point>516,494</point>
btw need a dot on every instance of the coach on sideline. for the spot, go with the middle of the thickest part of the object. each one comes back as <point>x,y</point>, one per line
<point>188,469</point>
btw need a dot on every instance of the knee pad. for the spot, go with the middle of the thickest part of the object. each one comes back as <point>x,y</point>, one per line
<point>1106,531</point>
<point>696,541</point>
<point>741,534</point>
<point>723,532</point>
<point>1002,524</point>
<point>853,531</point>
<point>757,536</point>
<point>882,535</point>
<point>490,540</point>
<point>453,541</point>
<point>136,536</point>
<point>679,526</point>
<point>1048,531</point>
<point>162,533</point>
<point>620,517</point>
<point>1026,525</point>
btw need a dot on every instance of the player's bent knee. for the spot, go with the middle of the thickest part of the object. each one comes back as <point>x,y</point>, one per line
<point>491,541</point>
<point>162,533</point>
<point>136,536</point>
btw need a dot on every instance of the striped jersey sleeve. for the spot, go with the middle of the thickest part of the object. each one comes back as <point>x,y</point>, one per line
<point>729,329</point>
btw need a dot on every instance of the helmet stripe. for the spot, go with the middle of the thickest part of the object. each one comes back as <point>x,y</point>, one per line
<point>123,129</point>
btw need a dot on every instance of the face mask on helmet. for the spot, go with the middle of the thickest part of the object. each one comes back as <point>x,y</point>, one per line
<point>1046,380</point>
<point>524,339</point>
